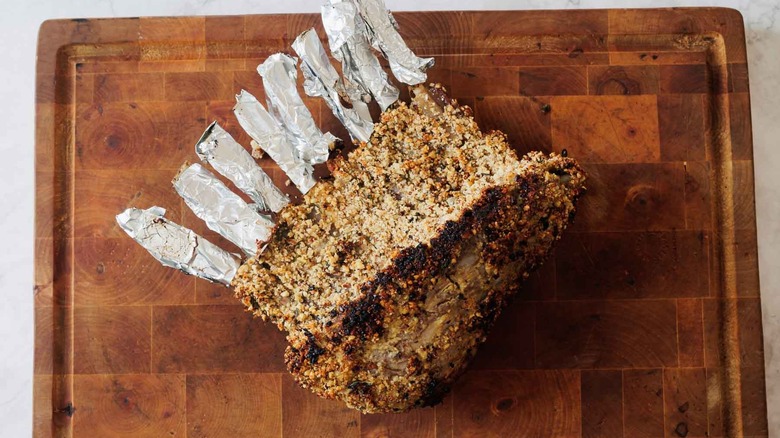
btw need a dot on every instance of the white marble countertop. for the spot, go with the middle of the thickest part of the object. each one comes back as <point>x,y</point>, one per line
<point>20,21</point>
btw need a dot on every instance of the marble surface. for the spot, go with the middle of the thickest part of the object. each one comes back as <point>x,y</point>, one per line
<point>19,26</point>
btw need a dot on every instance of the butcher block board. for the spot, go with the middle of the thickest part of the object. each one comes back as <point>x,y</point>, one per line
<point>645,321</point>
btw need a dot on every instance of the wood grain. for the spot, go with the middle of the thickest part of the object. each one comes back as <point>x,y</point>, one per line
<point>606,129</point>
<point>602,403</point>
<point>644,322</point>
<point>607,335</point>
<point>213,339</point>
<point>234,405</point>
<point>138,405</point>
<point>519,403</point>
<point>307,415</point>
<point>643,403</point>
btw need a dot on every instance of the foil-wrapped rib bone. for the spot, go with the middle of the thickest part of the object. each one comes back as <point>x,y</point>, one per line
<point>285,104</point>
<point>178,247</point>
<point>218,148</point>
<point>348,38</point>
<point>322,80</point>
<point>405,65</point>
<point>222,210</point>
<point>269,135</point>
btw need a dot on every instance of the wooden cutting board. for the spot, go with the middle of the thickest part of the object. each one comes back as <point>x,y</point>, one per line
<point>645,322</point>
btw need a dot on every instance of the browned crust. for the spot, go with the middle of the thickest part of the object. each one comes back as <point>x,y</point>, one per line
<point>494,220</point>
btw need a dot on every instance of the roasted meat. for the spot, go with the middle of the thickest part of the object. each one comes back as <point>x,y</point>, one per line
<point>389,275</point>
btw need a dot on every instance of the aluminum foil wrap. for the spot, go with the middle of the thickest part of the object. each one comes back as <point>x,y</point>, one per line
<point>285,104</point>
<point>218,148</point>
<point>222,210</point>
<point>322,80</point>
<point>178,247</point>
<point>273,139</point>
<point>406,66</point>
<point>348,38</point>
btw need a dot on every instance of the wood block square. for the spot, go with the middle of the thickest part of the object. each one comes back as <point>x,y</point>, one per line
<point>743,189</point>
<point>643,407</point>
<point>615,334</point>
<point>746,258</point>
<point>623,80</point>
<point>52,205</point>
<point>684,79</point>
<point>234,405</point>
<point>129,87</point>
<point>632,197</point>
<point>739,123</point>
<point>305,415</point>
<point>738,77</point>
<point>606,129</point>
<point>714,310</point>
<point>199,86</point>
<point>102,194</point>
<point>138,405</point>
<point>523,119</point>
<point>112,340</point>
<point>417,423</point>
<point>109,270</point>
<point>484,81</point>
<point>144,135</point>
<point>553,81</point>
<point>510,345</point>
<point>500,403</point>
<point>698,196</point>
<point>632,265</point>
<point>754,421</point>
<point>751,347</point>
<point>496,28</point>
<point>602,404</point>
<point>685,402</point>
<point>690,332</point>
<point>189,29</point>
<point>209,339</point>
<point>52,353</point>
<point>681,124</point>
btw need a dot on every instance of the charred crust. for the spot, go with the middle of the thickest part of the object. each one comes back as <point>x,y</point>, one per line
<point>433,393</point>
<point>360,388</point>
<point>362,318</point>
<point>313,351</point>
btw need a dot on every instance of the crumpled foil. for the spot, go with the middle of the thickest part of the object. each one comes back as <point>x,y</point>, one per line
<point>272,138</point>
<point>285,104</point>
<point>218,148</point>
<point>348,38</point>
<point>322,80</point>
<point>178,247</point>
<point>222,210</point>
<point>384,36</point>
